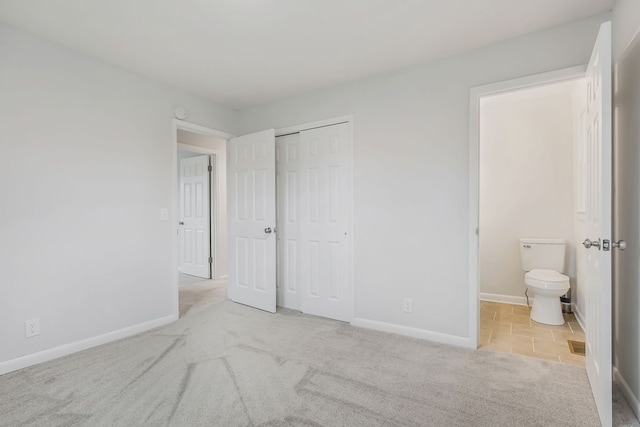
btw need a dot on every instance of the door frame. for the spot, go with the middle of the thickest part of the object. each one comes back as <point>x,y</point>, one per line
<point>476,94</point>
<point>174,216</point>
<point>348,119</point>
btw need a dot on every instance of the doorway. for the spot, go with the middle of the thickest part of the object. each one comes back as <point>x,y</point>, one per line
<point>200,217</point>
<point>529,179</point>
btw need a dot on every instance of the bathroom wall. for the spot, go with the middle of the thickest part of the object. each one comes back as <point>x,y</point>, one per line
<point>218,145</point>
<point>579,294</point>
<point>526,182</point>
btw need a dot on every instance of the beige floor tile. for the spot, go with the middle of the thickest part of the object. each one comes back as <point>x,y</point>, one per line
<point>564,327</point>
<point>520,319</point>
<point>563,336</point>
<point>498,308</point>
<point>485,336</point>
<point>532,332</point>
<point>508,328</point>
<point>554,348</point>
<point>522,309</point>
<point>511,340</point>
<point>495,325</point>
<point>575,327</point>
<point>487,315</point>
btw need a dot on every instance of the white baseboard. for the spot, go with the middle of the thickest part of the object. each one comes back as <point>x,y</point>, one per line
<point>632,399</point>
<point>505,299</point>
<point>579,317</point>
<point>224,277</point>
<point>412,332</point>
<point>66,349</point>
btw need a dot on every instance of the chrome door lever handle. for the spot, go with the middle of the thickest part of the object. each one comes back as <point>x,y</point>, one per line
<point>589,243</point>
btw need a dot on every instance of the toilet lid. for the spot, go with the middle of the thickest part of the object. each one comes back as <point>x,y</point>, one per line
<point>547,276</point>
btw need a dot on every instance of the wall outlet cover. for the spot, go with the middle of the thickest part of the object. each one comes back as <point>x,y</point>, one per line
<point>32,327</point>
<point>407,305</point>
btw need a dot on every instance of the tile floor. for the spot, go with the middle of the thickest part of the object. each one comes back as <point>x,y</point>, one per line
<point>509,328</point>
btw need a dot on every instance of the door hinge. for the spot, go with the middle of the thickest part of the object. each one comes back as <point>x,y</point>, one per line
<point>210,260</point>
<point>209,168</point>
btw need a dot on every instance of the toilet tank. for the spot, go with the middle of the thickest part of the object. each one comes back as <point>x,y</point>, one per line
<point>547,254</point>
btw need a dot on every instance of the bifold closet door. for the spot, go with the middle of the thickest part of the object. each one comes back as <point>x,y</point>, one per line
<point>325,206</point>
<point>288,211</point>
<point>251,202</point>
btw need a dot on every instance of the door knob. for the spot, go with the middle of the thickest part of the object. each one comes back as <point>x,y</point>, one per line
<point>588,243</point>
<point>267,230</point>
<point>620,244</point>
<point>181,223</point>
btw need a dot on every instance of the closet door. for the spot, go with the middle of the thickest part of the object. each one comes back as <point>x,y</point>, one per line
<point>252,219</point>
<point>288,211</point>
<point>325,206</point>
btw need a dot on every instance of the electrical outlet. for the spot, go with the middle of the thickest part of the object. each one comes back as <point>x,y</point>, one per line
<point>408,305</point>
<point>32,327</point>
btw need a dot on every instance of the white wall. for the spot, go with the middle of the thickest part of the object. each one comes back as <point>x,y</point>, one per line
<point>86,164</point>
<point>526,182</point>
<point>411,171</point>
<point>219,146</point>
<point>626,283</point>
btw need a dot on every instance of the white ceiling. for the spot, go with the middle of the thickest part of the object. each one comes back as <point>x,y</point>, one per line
<point>245,52</point>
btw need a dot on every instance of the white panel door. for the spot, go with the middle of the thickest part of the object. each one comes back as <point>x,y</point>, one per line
<point>195,236</point>
<point>325,206</point>
<point>598,229</point>
<point>251,200</point>
<point>288,211</point>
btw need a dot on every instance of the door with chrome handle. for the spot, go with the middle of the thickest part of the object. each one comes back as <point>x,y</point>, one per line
<point>606,244</point>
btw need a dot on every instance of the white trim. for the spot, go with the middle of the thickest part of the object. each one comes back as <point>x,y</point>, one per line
<point>192,127</point>
<point>632,399</point>
<point>412,332</point>
<point>475,95</point>
<point>579,317</point>
<point>196,148</point>
<point>66,349</point>
<point>348,119</point>
<point>305,126</point>
<point>505,299</point>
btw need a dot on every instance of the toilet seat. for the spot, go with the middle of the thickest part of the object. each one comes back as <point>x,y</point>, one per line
<point>547,279</point>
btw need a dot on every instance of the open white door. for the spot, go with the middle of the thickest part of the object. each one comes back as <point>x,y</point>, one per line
<point>251,197</point>
<point>195,236</point>
<point>598,243</point>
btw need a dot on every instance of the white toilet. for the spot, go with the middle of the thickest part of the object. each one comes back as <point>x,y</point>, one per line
<point>543,260</point>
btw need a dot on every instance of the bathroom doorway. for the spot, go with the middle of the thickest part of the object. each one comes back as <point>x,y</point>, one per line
<point>529,187</point>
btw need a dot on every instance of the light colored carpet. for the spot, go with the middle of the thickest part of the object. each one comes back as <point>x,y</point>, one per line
<point>195,293</point>
<point>230,365</point>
